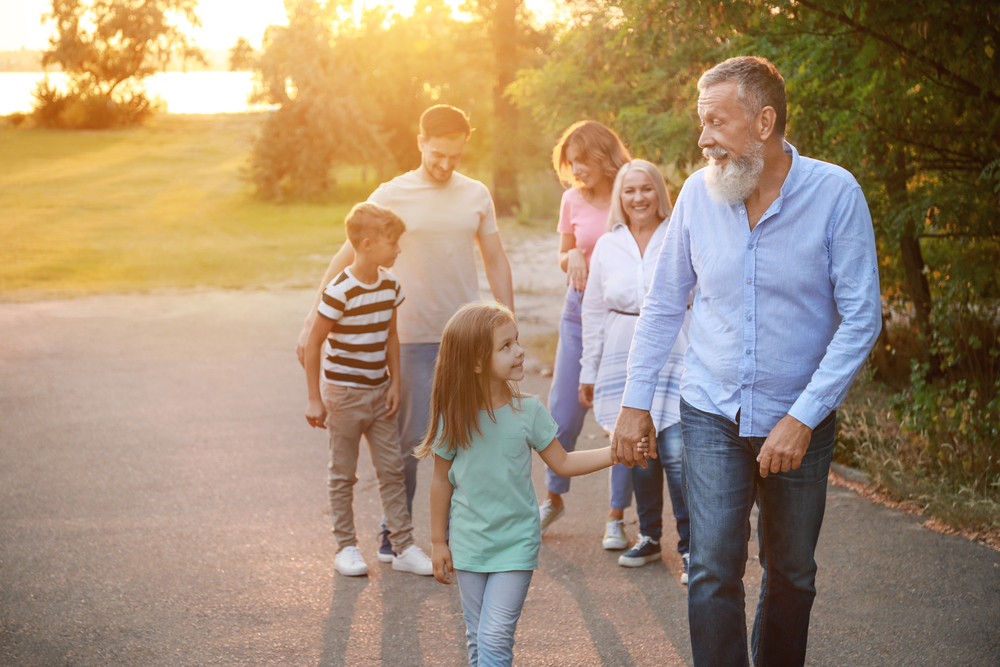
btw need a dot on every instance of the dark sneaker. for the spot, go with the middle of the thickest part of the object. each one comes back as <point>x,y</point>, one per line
<point>642,552</point>
<point>385,552</point>
<point>687,565</point>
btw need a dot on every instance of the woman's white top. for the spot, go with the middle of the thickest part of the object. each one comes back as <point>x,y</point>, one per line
<point>616,286</point>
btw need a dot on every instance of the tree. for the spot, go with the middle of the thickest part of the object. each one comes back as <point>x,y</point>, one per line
<point>107,47</point>
<point>321,118</point>
<point>241,56</point>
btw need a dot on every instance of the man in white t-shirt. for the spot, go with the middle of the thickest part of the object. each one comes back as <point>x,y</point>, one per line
<point>446,215</point>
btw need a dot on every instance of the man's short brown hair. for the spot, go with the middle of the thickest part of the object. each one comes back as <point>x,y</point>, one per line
<point>367,220</point>
<point>442,119</point>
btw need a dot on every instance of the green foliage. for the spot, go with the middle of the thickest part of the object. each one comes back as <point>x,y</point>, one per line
<point>106,48</point>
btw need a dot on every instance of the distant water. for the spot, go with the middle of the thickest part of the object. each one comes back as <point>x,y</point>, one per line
<point>184,92</point>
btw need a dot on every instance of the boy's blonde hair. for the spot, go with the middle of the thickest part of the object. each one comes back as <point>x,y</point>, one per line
<point>367,220</point>
<point>460,392</point>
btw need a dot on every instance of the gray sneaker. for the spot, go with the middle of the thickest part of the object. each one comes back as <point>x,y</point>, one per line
<point>548,514</point>
<point>687,566</point>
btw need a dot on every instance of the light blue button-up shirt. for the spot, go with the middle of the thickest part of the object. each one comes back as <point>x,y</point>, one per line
<point>785,315</point>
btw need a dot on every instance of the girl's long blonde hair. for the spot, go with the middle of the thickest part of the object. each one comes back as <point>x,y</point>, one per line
<point>460,392</point>
<point>597,144</point>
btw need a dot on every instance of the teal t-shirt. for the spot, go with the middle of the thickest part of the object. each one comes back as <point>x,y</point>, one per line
<point>494,512</point>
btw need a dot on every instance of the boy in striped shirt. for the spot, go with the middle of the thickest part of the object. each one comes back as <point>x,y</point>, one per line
<point>353,343</point>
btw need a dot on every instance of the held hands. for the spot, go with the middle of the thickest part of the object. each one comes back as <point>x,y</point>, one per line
<point>441,558</point>
<point>576,269</point>
<point>316,414</point>
<point>634,433</point>
<point>587,395</point>
<point>785,446</point>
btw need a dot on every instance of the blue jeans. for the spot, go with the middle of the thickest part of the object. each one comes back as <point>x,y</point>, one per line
<point>648,485</point>
<point>491,605</point>
<point>722,483</point>
<point>564,401</point>
<point>416,372</point>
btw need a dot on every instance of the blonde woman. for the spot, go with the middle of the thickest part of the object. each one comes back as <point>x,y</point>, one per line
<point>621,269</point>
<point>586,158</point>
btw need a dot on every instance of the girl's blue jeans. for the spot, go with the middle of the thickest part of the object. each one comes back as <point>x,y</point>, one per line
<point>722,483</point>
<point>648,485</point>
<point>564,402</point>
<point>491,605</point>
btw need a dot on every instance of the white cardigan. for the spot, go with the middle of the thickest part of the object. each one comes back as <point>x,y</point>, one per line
<point>616,286</point>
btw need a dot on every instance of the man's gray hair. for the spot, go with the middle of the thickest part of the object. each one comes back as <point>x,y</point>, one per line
<point>758,85</point>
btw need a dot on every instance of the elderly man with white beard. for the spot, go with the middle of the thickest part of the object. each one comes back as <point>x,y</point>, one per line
<point>788,308</point>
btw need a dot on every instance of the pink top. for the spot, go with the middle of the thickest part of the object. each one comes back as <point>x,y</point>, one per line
<point>585,222</point>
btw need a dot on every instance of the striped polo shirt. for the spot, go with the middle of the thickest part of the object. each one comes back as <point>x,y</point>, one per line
<point>354,353</point>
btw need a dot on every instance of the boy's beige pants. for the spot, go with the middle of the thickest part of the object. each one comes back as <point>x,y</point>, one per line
<point>350,413</point>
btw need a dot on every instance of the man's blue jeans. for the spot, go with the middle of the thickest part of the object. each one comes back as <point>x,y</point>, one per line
<point>416,373</point>
<point>648,485</point>
<point>722,483</point>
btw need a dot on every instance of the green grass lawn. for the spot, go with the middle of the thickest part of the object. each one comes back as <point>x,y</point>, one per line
<point>157,207</point>
<point>164,207</point>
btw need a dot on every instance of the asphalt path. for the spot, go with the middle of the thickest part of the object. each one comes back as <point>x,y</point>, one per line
<point>162,502</point>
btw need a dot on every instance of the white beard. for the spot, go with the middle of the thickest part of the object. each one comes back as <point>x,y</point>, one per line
<point>738,180</point>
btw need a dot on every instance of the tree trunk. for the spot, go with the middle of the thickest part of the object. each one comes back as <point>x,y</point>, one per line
<point>504,113</point>
<point>913,259</point>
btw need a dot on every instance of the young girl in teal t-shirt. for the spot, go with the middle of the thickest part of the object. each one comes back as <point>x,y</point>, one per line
<point>482,435</point>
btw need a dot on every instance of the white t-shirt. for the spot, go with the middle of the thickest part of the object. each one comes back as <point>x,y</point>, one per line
<point>437,265</point>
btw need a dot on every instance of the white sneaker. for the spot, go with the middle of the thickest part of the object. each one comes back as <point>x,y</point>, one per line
<point>350,563</point>
<point>413,560</point>
<point>614,535</point>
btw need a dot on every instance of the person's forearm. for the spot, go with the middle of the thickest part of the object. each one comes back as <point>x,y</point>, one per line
<point>584,462</point>
<point>501,281</point>
<point>392,354</point>
<point>441,491</point>
<point>313,360</point>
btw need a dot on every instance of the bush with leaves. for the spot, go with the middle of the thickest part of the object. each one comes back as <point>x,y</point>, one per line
<point>319,119</point>
<point>106,48</point>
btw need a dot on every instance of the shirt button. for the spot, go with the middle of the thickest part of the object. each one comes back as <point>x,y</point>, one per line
<point>743,386</point>
<point>749,318</point>
<point>749,247</point>
<point>748,281</point>
<point>748,352</point>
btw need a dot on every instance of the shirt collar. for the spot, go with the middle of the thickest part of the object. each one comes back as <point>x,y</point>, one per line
<point>791,180</point>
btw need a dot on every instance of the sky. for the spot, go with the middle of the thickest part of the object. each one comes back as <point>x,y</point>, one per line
<point>223,21</point>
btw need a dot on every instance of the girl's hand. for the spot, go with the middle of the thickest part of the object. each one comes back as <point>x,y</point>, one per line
<point>441,557</point>
<point>587,395</point>
<point>576,269</point>
<point>316,414</point>
<point>392,399</point>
